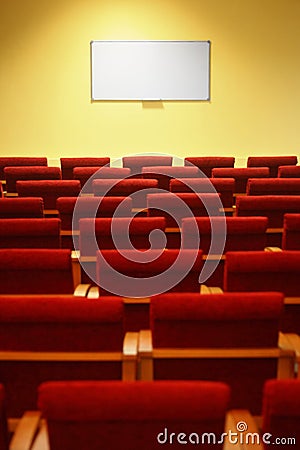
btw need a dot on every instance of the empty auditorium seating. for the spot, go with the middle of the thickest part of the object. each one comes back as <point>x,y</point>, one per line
<point>37,271</point>
<point>30,233</point>
<point>13,174</point>
<point>49,190</point>
<point>241,175</point>
<point>291,232</point>
<point>20,161</point>
<point>86,175</point>
<point>225,337</point>
<point>164,174</point>
<point>273,162</point>
<point>274,186</point>
<point>149,273</point>
<point>21,207</point>
<point>265,271</point>
<point>207,163</point>
<point>132,416</point>
<point>60,338</point>
<point>136,163</point>
<point>224,186</point>
<point>136,188</point>
<point>281,412</point>
<point>68,164</point>
<point>289,171</point>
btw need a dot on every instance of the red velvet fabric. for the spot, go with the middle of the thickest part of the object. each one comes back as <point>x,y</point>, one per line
<point>218,321</point>
<point>139,229</point>
<point>68,164</point>
<point>86,206</point>
<point>224,186</point>
<point>263,271</point>
<point>21,208</point>
<point>56,324</point>
<point>164,174</point>
<point>281,411</point>
<point>242,233</point>
<point>3,421</point>
<point>273,162</point>
<point>86,175</point>
<point>136,163</point>
<point>161,261</point>
<point>114,415</point>
<point>172,206</point>
<point>20,161</point>
<point>241,175</point>
<point>139,187</point>
<point>207,163</point>
<point>49,190</point>
<point>273,186</point>
<point>272,206</point>
<point>30,233</point>
<point>1,190</point>
<point>13,174</point>
<point>291,232</point>
<point>35,271</point>
<point>289,171</point>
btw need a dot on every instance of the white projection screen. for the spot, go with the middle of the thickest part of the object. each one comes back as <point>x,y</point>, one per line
<point>150,70</point>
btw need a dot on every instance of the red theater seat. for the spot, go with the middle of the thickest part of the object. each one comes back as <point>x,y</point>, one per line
<point>224,186</point>
<point>12,208</point>
<point>49,190</point>
<point>291,232</point>
<point>231,338</point>
<point>274,186</point>
<point>289,171</point>
<point>136,163</point>
<point>86,175</point>
<point>241,175</point>
<point>60,338</point>
<point>207,163</point>
<point>132,416</point>
<point>164,174</point>
<point>68,164</point>
<point>13,174</point>
<point>29,233</point>
<point>20,161</point>
<point>273,162</point>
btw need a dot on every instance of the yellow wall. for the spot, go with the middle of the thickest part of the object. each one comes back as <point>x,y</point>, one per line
<point>45,78</point>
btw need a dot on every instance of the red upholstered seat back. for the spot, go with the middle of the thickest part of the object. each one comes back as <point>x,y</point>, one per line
<point>241,175</point>
<point>281,412</point>
<point>242,233</point>
<point>68,164</point>
<point>56,324</point>
<point>35,271</point>
<point>273,162</point>
<point>160,262</point>
<point>207,163</point>
<point>30,233</point>
<point>49,190</point>
<point>164,174</point>
<point>13,174</point>
<point>86,175</point>
<point>139,188</point>
<point>21,208</point>
<point>224,186</point>
<point>177,206</point>
<point>289,171</point>
<point>263,271</point>
<point>3,421</point>
<point>273,186</point>
<point>106,230</point>
<point>291,232</point>
<point>136,163</point>
<point>272,206</point>
<point>131,416</point>
<point>20,161</point>
<point>218,321</point>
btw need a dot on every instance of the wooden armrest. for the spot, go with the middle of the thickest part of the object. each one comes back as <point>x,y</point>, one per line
<point>274,230</point>
<point>292,300</point>
<point>210,290</point>
<point>236,421</point>
<point>136,301</point>
<point>41,442</point>
<point>93,293</point>
<point>273,249</point>
<point>145,343</point>
<point>81,290</point>
<point>290,341</point>
<point>69,233</point>
<point>10,194</point>
<point>130,345</point>
<point>172,230</point>
<point>26,430</point>
<point>51,212</point>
